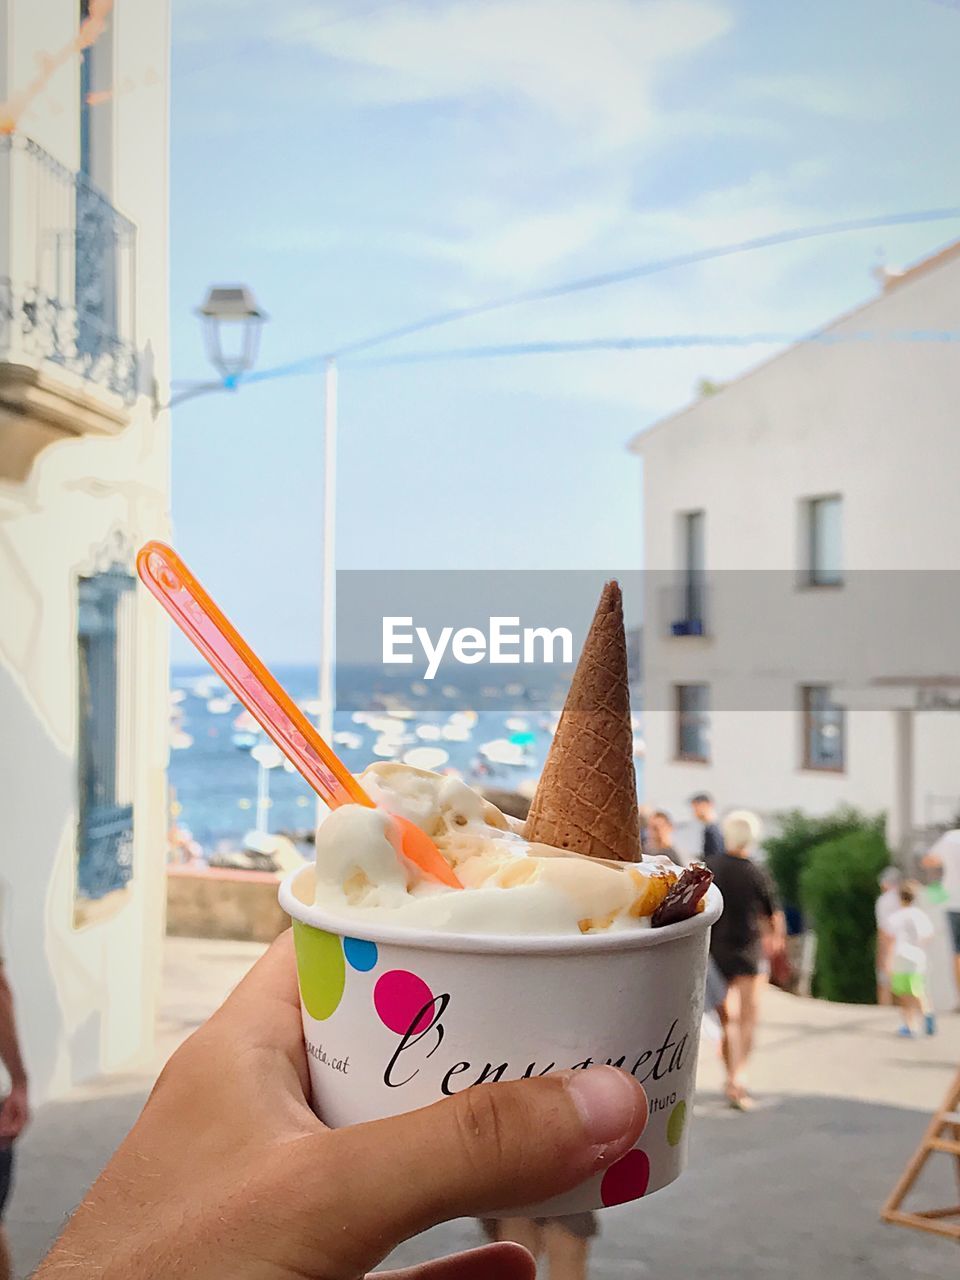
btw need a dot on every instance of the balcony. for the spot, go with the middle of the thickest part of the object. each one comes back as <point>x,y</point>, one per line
<point>684,608</point>
<point>68,355</point>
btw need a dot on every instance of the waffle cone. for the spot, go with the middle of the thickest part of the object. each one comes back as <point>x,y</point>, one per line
<point>586,799</point>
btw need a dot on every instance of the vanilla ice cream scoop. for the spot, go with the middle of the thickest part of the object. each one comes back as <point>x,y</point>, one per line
<point>510,885</point>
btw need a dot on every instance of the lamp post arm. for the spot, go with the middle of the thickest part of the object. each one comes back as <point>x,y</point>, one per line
<point>191,393</point>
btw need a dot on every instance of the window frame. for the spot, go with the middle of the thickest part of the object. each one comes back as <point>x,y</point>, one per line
<point>693,524</point>
<point>808,714</point>
<point>810,574</point>
<point>682,717</point>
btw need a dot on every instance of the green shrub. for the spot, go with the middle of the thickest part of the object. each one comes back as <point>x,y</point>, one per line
<point>838,889</point>
<point>789,850</point>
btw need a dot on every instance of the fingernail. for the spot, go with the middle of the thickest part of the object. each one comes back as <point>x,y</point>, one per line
<point>609,1102</point>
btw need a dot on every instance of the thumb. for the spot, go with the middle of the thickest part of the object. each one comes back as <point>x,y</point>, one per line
<point>493,1146</point>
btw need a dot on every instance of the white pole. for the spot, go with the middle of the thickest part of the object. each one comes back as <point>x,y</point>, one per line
<point>901,833</point>
<point>328,572</point>
<point>263,799</point>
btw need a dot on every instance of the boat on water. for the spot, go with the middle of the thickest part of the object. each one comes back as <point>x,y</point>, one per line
<point>246,732</point>
<point>506,752</point>
<point>205,687</point>
<point>397,708</point>
<point>426,757</point>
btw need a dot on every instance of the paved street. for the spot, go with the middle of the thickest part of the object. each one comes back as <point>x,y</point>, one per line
<point>791,1190</point>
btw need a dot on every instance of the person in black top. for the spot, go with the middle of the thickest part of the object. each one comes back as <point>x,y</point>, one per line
<point>744,940</point>
<point>705,811</point>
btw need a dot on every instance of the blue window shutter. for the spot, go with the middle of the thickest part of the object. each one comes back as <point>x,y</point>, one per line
<point>105,833</point>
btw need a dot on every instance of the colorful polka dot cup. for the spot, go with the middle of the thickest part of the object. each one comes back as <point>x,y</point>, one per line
<point>395,1019</point>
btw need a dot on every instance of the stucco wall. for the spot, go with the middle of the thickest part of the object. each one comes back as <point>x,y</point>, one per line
<point>86,995</point>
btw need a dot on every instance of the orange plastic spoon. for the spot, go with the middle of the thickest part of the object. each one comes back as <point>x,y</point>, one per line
<point>202,622</point>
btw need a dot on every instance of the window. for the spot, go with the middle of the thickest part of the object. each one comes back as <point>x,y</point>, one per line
<point>694,564</point>
<point>824,542</point>
<point>95,267</point>
<point>105,748</point>
<point>824,730</point>
<point>96,103</point>
<point>685,596</point>
<point>693,722</point>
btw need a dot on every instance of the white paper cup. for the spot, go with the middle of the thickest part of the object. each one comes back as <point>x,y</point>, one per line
<point>395,1019</point>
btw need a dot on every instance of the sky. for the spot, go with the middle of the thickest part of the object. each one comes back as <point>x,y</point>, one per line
<point>360,165</point>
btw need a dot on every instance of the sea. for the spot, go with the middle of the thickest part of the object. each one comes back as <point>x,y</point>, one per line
<point>226,780</point>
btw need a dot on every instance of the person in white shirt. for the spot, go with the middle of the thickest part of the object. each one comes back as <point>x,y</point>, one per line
<point>886,904</point>
<point>945,858</point>
<point>910,930</point>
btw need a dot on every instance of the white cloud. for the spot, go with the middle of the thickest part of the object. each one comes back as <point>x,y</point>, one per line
<point>497,251</point>
<point>561,101</point>
<point>525,247</point>
<point>740,294</point>
<point>204,21</point>
<point>557,104</point>
<point>817,95</point>
<point>589,66</point>
<point>551,96</point>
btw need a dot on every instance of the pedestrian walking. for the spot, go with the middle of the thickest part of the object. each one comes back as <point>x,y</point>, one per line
<point>748,936</point>
<point>884,907</point>
<point>910,931</point>
<point>945,858</point>
<point>564,1242</point>
<point>661,836</point>
<point>705,811</point>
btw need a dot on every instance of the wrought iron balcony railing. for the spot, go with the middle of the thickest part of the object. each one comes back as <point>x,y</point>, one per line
<point>67,271</point>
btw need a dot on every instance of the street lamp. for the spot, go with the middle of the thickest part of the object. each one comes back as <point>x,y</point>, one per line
<point>231,329</point>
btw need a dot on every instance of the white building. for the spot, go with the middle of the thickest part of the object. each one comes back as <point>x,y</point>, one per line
<point>84,479</point>
<point>795,634</point>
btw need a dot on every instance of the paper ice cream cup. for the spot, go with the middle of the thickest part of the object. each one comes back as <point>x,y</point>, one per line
<point>395,1019</point>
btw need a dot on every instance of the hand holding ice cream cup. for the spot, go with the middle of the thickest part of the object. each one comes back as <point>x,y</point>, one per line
<point>562,950</point>
<point>441,947</point>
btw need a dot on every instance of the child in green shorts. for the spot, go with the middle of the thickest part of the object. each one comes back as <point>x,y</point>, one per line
<point>911,930</point>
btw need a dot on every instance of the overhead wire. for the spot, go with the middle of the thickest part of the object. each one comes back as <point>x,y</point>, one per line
<point>582,284</point>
